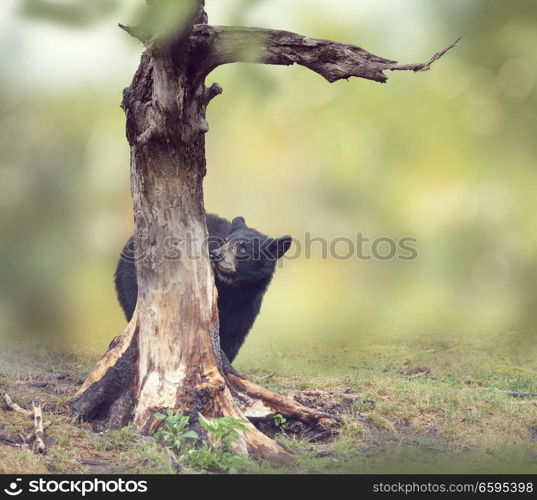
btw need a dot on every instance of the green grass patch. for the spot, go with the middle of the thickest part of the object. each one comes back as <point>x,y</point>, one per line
<point>424,406</point>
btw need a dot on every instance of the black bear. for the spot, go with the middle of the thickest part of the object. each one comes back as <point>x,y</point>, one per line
<point>243,260</point>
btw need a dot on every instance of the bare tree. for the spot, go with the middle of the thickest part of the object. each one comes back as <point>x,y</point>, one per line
<point>169,354</point>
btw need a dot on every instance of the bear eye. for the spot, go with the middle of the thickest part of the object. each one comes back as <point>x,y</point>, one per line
<point>241,248</point>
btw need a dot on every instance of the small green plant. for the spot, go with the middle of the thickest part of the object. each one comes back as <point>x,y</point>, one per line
<point>223,430</point>
<point>174,432</point>
<point>192,451</point>
<point>280,421</point>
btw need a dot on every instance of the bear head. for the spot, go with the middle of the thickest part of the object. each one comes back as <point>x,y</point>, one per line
<point>246,255</point>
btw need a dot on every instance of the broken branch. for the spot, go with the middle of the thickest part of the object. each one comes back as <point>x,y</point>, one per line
<point>425,66</point>
<point>16,407</point>
<point>332,60</point>
<point>211,92</point>
<point>31,436</point>
<point>9,440</point>
<point>39,444</point>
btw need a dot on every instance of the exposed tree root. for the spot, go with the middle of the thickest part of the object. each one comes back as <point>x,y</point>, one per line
<point>283,405</point>
<point>108,398</point>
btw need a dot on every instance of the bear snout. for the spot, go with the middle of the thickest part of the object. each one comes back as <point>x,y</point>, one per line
<point>215,254</point>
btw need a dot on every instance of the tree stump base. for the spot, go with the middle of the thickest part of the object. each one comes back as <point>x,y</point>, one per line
<point>109,398</point>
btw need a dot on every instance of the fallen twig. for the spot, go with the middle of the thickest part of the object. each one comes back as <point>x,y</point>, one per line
<point>419,374</point>
<point>513,394</point>
<point>31,436</point>
<point>16,407</point>
<point>95,463</point>
<point>9,440</point>
<point>38,384</point>
<point>39,443</point>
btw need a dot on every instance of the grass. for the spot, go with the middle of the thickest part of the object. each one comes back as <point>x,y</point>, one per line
<point>424,406</point>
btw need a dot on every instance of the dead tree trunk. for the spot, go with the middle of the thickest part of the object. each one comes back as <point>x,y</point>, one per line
<point>169,355</point>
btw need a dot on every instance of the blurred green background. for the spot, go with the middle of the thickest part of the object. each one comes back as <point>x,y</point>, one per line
<point>446,157</point>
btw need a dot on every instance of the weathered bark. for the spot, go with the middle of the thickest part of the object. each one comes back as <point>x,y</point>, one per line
<point>332,60</point>
<point>169,355</point>
<point>107,396</point>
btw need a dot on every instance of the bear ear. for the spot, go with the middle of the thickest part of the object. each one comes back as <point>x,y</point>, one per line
<point>279,246</point>
<point>237,223</point>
